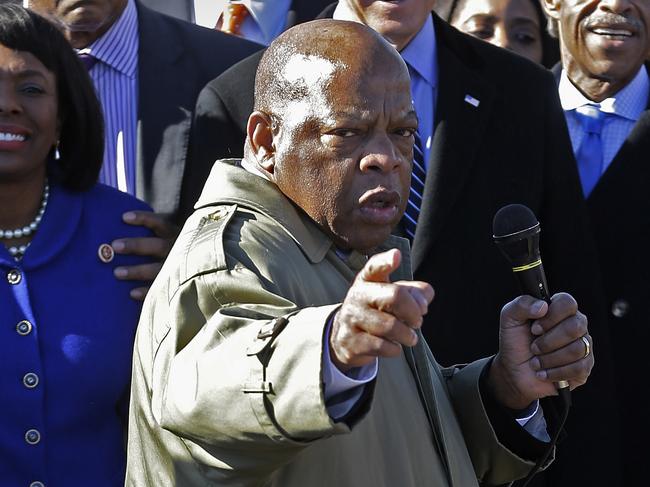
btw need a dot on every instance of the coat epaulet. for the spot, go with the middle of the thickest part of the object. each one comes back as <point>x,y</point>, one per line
<point>204,252</point>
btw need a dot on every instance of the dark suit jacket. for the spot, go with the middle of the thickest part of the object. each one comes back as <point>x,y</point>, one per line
<point>176,59</point>
<point>512,148</point>
<point>619,211</point>
<point>299,11</point>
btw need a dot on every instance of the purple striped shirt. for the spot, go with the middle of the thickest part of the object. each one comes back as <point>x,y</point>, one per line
<point>115,76</point>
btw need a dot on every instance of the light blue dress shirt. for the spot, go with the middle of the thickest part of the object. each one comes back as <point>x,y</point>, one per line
<point>627,104</point>
<point>115,77</point>
<point>421,57</point>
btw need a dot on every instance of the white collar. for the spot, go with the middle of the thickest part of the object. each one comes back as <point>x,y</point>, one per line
<point>628,102</point>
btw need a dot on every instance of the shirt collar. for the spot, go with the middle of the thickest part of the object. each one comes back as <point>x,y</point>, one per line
<point>628,103</point>
<point>118,47</point>
<point>271,17</point>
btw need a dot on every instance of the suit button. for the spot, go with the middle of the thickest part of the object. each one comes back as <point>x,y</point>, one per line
<point>14,276</point>
<point>30,380</point>
<point>37,484</point>
<point>33,437</point>
<point>620,308</point>
<point>24,327</point>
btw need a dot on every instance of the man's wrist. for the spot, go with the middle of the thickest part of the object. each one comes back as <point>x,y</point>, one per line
<point>523,415</point>
<point>504,391</point>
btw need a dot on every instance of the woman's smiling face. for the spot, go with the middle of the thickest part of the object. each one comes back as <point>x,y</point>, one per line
<point>29,124</point>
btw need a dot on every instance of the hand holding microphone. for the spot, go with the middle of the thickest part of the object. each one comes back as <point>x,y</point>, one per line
<point>543,339</point>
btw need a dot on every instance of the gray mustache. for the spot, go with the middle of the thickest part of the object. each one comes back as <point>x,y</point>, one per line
<point>612,19</point>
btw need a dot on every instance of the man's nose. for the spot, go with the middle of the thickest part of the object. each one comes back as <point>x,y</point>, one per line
<point>382,155</point>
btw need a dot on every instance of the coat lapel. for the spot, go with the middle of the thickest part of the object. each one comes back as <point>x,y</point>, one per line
<point>446,431</point>
<point>463,105</point>
<point>417,360</point>
<point>622,168</point>
<point>160,50</point>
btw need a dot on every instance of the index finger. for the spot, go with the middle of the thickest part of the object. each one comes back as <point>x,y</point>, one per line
<point>562,306</point>
<point>158,223</point>
<point>380,266</point>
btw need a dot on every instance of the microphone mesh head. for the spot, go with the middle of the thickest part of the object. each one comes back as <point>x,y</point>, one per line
<point>512,219</point>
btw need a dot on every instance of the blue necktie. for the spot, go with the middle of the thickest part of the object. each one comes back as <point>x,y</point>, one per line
<point>412,212</point>
<point>590,152</point>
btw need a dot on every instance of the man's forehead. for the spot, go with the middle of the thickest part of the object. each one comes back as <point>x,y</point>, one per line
<point>359,114</point>
<point>310,70</point>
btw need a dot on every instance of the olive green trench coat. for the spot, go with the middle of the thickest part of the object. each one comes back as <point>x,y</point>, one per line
<point>227,383</point>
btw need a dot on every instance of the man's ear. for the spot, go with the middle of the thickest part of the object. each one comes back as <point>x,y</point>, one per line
<point>552,8</point>
<point>261,140</point>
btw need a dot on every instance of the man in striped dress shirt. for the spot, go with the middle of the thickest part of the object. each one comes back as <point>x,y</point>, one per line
<point>148,70</point>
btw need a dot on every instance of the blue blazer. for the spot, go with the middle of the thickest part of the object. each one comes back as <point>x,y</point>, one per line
<point>66,337</point>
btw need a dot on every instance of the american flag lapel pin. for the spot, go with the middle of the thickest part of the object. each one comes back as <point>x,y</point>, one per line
<point>472,101</point>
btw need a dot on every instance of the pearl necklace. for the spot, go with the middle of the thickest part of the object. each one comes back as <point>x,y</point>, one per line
<point>17,251</point>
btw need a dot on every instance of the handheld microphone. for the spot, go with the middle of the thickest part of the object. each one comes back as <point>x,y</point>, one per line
<point>516,233</point>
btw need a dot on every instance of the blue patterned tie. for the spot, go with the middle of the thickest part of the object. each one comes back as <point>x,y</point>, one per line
<point>410,218</point>
<point>590,152</point>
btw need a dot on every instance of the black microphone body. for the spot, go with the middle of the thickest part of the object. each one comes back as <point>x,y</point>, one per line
<point>516,233</point>
<point>521,248</point>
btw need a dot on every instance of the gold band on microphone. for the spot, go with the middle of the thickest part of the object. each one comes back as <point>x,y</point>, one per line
<point>532,265</point>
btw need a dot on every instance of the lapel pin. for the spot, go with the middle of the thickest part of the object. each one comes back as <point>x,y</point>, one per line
<point>472,101</point>
<point>105,253</point>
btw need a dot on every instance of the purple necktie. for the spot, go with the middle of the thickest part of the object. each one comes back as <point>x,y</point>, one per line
<point>88,59</point>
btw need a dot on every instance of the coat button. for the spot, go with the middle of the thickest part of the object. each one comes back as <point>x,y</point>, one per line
<point>37,484</point>
<point>620,308</point>
<point>33,437</point>
<point>14,276</point>
<point>24,327</point>
<point>30,380</point>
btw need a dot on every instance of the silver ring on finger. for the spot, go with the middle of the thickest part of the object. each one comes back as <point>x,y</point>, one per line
<point>585,340</point>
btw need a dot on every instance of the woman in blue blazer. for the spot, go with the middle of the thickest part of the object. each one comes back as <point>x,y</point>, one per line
<point>66,323</point>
